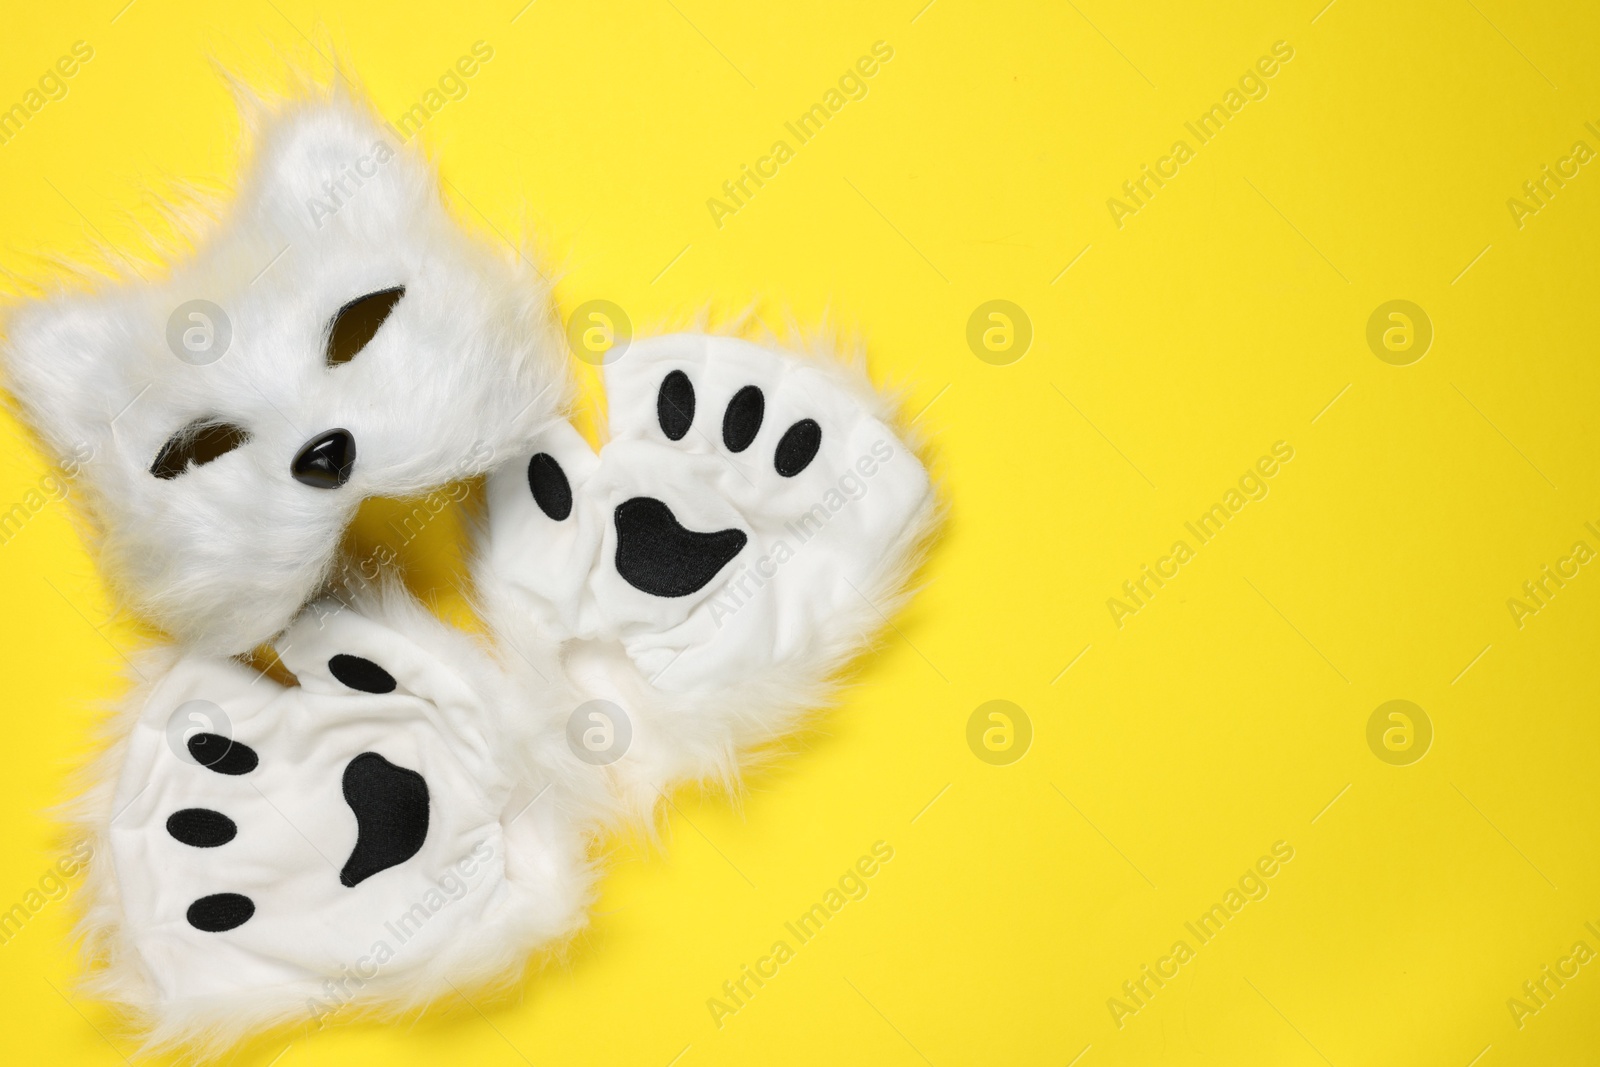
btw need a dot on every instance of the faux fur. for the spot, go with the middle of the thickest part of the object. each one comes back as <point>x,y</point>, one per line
<point>594,697</point>
<point>502,729</point>
<point>204,992</point>
<point>707,679</point>
<point>458,377</point>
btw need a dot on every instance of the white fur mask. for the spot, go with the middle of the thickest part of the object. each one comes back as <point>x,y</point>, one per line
<point>335,338</point>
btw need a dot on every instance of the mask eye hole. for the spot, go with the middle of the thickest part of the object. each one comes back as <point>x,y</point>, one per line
<point>355,324</point>
<point>197,444</point>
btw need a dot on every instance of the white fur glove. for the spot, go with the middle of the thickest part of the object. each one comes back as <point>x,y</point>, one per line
<point>751,520</point>
<point>383,831</point>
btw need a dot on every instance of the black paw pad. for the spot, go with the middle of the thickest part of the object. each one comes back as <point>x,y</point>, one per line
<point>221,911</point>
<point>201,827</point>
<point>548,482</point>
<point>675,405</point>
<point>222,754</point>
<point>391,809</point>
<point>361,674</point>
<point>657,555</point>
<point>742,421</point>
<point>797,447</point>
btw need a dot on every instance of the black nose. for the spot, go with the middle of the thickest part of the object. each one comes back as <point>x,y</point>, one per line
<point>325,461</point>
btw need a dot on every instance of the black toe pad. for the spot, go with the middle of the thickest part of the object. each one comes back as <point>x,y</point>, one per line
<point>201,827</point>
<point>220,911</point>
<point>222,754</point>
<point>361,674</point>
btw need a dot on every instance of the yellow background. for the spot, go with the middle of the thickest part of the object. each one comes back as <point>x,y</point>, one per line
<point>1223,317</point>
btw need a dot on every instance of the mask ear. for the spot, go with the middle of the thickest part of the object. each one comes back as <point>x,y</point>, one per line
<point>74,364</point>
<point>389,644</point>
<point>332,167</point>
